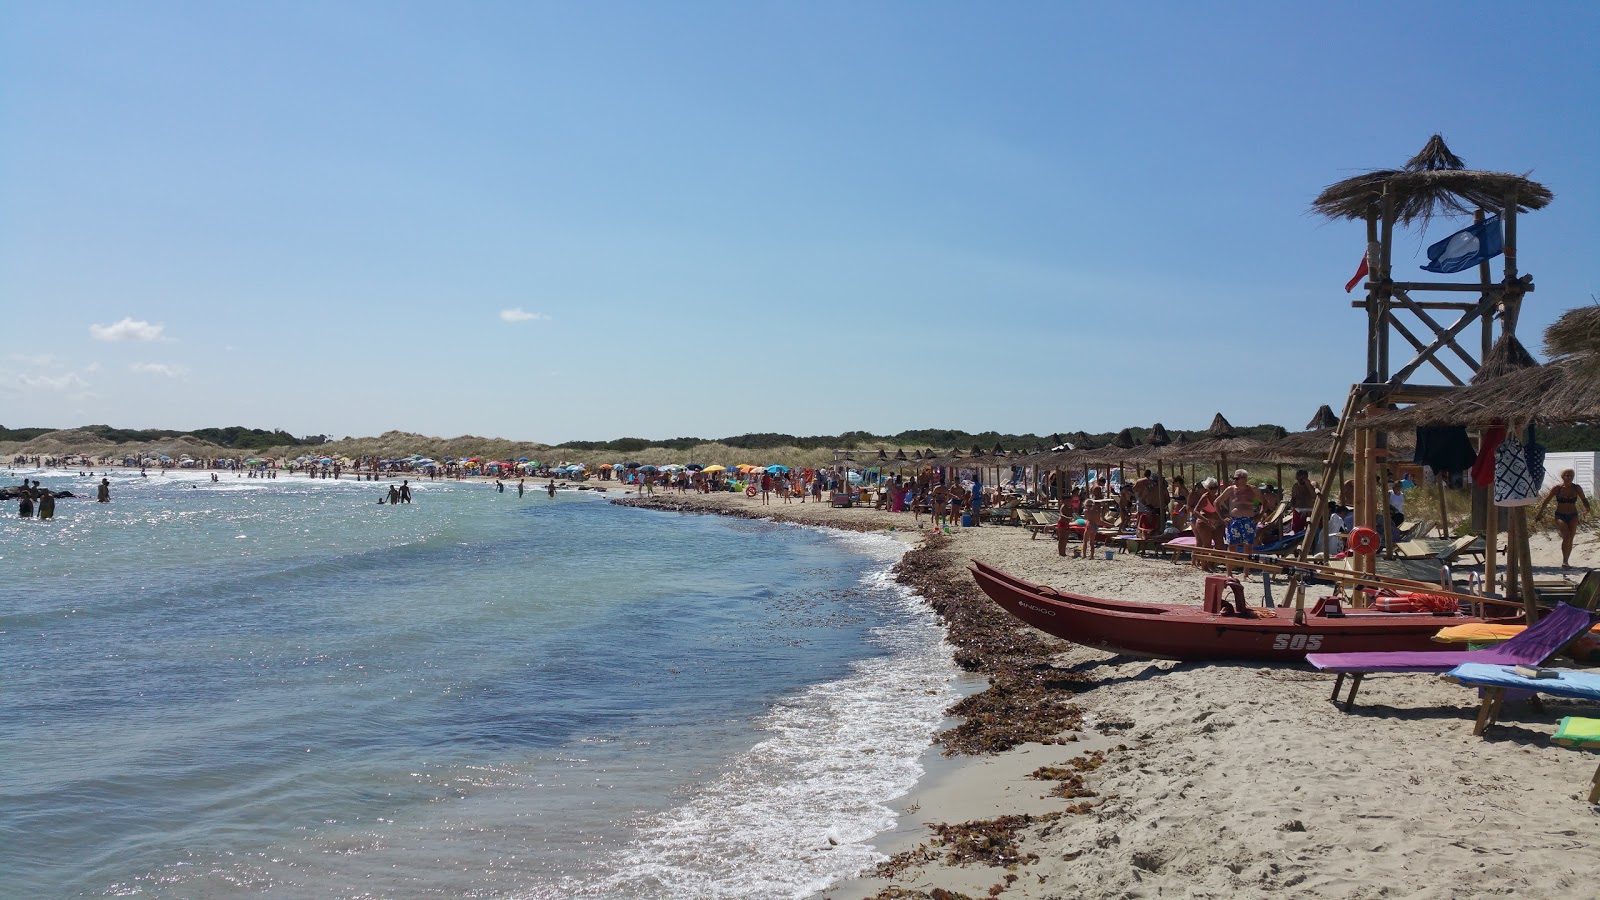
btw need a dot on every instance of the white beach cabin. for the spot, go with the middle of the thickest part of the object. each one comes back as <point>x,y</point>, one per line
<point>1583,463</point>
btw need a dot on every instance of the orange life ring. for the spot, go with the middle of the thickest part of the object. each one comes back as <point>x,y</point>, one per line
<point>1364,541</point>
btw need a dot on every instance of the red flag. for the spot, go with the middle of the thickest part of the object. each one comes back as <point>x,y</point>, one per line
<point>1361,272</point>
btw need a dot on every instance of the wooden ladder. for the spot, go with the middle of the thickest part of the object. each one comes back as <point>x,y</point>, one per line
<point>1330,472</point>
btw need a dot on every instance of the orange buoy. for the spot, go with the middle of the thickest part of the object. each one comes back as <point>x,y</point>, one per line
<point>1364,541</point>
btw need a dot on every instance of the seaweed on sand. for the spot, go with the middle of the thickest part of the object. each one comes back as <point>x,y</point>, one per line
<point>1027,699</point>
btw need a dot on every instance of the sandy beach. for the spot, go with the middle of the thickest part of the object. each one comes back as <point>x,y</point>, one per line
<point>1211,780</point>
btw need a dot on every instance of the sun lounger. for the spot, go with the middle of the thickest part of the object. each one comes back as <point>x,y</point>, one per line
<point>1041,521</point>
<point>1580,732</point>
<point>1495,680</point>
<point>1559,627</point>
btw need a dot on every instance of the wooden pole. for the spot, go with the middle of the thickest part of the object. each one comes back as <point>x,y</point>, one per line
<point>1384,295</point>
<point>1483,280</point>
<point>1444,516</point>
<point>1530,599</point>
<point>1374,276</point>
<point>1491,528</point>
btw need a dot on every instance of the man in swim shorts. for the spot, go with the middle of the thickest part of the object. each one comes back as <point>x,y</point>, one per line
<point>1302,497</point>
<point>1241,500</point>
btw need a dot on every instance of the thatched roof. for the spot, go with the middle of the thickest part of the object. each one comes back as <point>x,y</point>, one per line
<point>1324,418</point>
<point>1124,440</point>
<point>1505,357</point>
<point>900,455</point>
<point>1434,182</point>
<point>1223,440</point>
<point>1512,388</point>
<point>1313,446</point>
<point>1158,436</point>
<point>1576,333</point>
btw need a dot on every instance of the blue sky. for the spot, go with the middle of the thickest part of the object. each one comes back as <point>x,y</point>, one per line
<point>585,221</point>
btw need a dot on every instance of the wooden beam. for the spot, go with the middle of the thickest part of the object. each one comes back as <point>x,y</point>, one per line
<point>1482,308</point>
<point>1459,306</point>
<point>1438,329</point>
<point>1405,393</point>
<point>1418,346</point>
<point>1454,286</point>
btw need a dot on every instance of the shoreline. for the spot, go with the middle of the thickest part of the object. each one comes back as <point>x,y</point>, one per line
<point>1226,779</point>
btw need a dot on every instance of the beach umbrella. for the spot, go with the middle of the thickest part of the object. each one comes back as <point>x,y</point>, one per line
<point>715,469</point>
<point>648,469</point>
<point>522,459</point>
<point>694,467</point>
<point>630,465</point>
<point>777,469</point>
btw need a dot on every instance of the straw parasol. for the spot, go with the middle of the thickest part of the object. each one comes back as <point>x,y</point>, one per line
<point>1324,418</point>
<point>1510,387</point>
<point>1221,442</point>
<point>1434,182</point>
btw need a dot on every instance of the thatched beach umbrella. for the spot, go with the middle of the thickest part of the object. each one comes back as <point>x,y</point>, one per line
<point>1324,418</point>
<point>1221,442</point>
<point>1510,388</point>
<point>1434,182</point>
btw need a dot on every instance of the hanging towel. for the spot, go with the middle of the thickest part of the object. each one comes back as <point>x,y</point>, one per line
<point>1513,484</point>
<point>1483,469</point>
<point>1535,452</point>
<point>1446,449</point>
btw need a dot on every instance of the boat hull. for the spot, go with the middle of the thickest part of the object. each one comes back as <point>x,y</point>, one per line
<point>1185,632</point>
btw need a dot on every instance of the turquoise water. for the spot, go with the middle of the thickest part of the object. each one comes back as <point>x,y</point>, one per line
<point>281,687</point>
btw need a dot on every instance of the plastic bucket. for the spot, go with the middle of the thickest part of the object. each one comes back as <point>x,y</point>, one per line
<point>966,520</point>
<point>1110,553</point>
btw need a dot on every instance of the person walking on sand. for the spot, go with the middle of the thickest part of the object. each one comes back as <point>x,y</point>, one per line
<point>766,487</point>
<point>103,493</point>
<point>1567,495</point>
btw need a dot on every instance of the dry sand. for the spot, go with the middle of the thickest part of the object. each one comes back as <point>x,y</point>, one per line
<point>1242,779</point>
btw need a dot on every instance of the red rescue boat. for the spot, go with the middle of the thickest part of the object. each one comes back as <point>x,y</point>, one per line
<point>1208,632</point>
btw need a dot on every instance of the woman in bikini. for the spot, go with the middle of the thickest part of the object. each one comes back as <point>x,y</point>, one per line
<point>1567,495</point>
<point>1180,503</point>
<point>1207,520</point>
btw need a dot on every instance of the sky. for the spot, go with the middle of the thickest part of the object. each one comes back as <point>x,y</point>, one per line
<point>564,221</point>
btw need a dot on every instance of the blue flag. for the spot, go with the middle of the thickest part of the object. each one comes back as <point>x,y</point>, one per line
<point>1467,247</point>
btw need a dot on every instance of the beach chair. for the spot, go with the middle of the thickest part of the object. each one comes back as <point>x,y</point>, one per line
<point>1278,515</point>
<point>1041,521</point>
<point>1580,732</point>
<point>1495,680</point>
<point>1466,545</point>
<point>1558,628</point>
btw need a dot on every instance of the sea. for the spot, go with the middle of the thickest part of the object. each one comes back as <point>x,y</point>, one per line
<point>283,687</point>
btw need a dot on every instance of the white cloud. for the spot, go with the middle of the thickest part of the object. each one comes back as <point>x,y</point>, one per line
<point>166,369</point>
<point>128,330</point>
<point>68,381</point>
<point>518,314</point>
<point>37,360</point>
